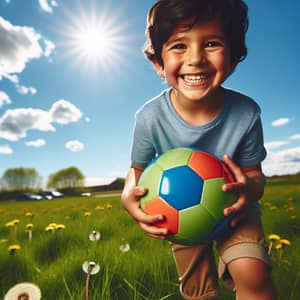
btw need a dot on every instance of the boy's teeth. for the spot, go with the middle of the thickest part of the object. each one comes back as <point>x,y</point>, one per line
<point>195,78</point>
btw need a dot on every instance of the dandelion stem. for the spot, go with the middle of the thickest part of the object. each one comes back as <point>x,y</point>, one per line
<point>87,285</point>
<point>270,248</point>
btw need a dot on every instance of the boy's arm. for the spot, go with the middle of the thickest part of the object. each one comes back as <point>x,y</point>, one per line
<point>249,186</point>
<point>130,200</point>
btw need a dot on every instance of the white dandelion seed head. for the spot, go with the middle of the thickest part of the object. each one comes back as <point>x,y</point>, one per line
<point>90,267</point>
<point>24,291</point>
<point>95,236</point>
<point>125,247</point>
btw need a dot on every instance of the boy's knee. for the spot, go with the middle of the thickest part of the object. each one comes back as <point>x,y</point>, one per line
<point>250,273</point>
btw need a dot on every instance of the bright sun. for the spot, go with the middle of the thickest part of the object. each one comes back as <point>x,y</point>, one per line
<point>95,37</point>
<point>95,43</point>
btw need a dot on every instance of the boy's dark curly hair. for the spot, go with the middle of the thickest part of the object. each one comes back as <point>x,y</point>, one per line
<point>166,14</point>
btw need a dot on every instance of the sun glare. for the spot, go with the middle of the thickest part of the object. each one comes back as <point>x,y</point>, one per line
<point>95,43</point>
<point>95,37</point>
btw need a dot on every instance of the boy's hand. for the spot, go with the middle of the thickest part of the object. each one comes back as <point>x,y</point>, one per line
<point>249,187</point>
<point>131,202</point>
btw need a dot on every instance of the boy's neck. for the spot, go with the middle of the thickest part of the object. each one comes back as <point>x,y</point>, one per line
<point>198,113</point>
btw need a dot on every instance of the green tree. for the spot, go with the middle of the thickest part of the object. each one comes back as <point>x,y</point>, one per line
<point>21,179</point>
<point>70,177</point>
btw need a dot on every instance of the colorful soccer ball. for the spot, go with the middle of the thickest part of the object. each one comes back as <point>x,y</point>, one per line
<point>185,185</point>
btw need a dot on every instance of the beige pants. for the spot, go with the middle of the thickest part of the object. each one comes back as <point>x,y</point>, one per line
<point>196,265</point>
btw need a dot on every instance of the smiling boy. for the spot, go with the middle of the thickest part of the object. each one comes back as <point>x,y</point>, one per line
<point>195,45</point>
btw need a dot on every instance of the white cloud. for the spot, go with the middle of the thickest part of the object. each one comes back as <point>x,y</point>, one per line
<point>24,90</point>
<point>37,143</point>
<point>282,162</point>
<point>19,45</point>
<point>4,99</point>
<point>280,122</point>
<point>275,144</point>
<point>74,146</point>
<point>6,149</point>
<point>16,122</point>
<point>64,112</point>
<point>47,7</point>
<point>295,137</point>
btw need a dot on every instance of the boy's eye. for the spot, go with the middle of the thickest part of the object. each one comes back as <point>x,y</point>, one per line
<point>212,44</point>
<point>178,47</point>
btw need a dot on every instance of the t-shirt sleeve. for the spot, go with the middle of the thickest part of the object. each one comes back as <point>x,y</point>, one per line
<point>142,150</point>
<point>251,150</point>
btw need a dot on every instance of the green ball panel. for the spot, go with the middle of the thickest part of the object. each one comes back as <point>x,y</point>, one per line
<point>195,224</point>
<point>150,179</point>
<point>174,158</point>
<point>214,199</point>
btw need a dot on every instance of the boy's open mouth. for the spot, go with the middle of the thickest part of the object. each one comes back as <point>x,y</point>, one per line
<point>195,78</point>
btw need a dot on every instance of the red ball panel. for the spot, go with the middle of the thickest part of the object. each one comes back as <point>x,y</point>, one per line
<point>206,165</point>
<point>228,176</point>
<point>160,206</point>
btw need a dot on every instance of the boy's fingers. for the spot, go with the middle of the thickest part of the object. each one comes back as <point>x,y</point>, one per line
<point>139,191</point>
<point>140,216</point>
<point>154,231</point>
<point>234,208</point>
<point>237,187</point>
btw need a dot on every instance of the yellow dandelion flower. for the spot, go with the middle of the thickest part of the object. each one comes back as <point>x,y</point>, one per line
<point>281,244</point>
<point>87,214</point>
<point>13,248</point>
<point>28,214</point>
<point>98,207</point>
<point>16,221</point>
<point>49,228</point>
<point>108,206</point>
<point>29,226</point>
<point>284,242</point>
<point>53,225</point>
<point>60,226</point>
<point>273,207</point>
<point>9,224</point>
<point>293,217</point>
<point>274,237</point>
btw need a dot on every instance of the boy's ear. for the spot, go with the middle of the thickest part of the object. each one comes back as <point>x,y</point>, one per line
<point>158,67</point>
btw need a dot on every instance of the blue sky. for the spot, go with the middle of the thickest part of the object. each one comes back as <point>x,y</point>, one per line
<point>65,103</point>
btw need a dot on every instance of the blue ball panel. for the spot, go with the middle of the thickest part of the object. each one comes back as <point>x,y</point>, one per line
<point>181,187</point>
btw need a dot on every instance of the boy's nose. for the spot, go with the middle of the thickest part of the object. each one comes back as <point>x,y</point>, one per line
<point>196,57</point>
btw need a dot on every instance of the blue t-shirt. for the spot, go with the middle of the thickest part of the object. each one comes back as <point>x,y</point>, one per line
<point>236,130</point>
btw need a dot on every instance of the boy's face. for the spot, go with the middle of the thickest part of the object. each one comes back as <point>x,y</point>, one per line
<point>196,60</point>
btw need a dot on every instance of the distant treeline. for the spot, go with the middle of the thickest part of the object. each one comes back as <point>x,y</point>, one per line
<point>29,179</point>
<point>284,179</point>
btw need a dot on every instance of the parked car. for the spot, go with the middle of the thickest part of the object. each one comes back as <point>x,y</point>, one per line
<point>29,196</point>
<point>51,194</point>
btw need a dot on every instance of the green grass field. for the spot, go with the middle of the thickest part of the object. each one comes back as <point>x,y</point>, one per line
<point>53,259</point>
